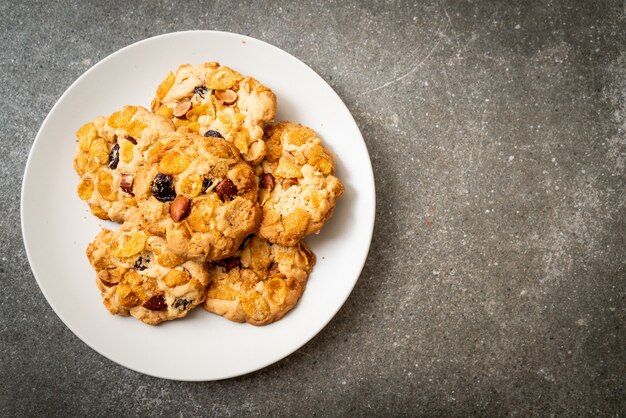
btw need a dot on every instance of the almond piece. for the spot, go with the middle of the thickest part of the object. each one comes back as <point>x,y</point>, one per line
<point>226,188</point>
<point>155,303</point>
<point>126,184</point>
<point>180,208</point>
<point>267,181</point>
<point>228,97</point>
<point>181,109</point>
<point>273,269</point>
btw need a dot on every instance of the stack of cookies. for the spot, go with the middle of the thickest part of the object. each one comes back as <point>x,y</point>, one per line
<point>214,204</point>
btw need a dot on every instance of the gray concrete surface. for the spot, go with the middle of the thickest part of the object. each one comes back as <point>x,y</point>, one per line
<point>496,279</point>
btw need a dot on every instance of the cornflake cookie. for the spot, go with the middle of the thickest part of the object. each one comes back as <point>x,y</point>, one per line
<point>108,156</point>
<point>215,100</point>
<point>298,188</point>
<point>202,196</point>
<point>138,276</point>
<point>261,283</point>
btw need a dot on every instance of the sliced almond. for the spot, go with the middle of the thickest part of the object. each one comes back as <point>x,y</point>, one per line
<point>181,109</point>
<point>228,97</point>
<point>107,279</point>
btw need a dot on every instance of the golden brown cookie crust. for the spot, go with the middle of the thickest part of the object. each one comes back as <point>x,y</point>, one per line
<point>109,155</point>
<point>220,191</point>
<point>138,276</point>
<point>261,283</point>
<point>302,190</point>
<point>210,96</point>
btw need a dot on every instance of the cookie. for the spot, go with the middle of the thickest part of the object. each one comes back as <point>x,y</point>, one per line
<point>298,190</point>
<point>138,276</point>
<point>108,156</point>
<point>261,283</point>
<point>202,197</point>
<point>215,100</point>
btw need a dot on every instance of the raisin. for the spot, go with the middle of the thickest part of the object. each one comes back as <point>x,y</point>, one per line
<point>162,188</point>
<point>155,303</point>
<point>201,91</point>
<point>267,181</point>
<point>140,264</point>
<point>182,303</point>
<point>131,140</point>
<point>214,134</point>
<point>206,183</point>
<point>114,156</point>
<point>228,263</point>
<point>226,188</point>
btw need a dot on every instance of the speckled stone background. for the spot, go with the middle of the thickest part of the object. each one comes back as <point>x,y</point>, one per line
<point>495,282</point>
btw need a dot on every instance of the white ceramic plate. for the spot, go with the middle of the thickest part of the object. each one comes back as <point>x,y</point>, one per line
<point>57,226</point>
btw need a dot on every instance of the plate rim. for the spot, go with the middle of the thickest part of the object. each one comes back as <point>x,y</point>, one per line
<point>27,174</point>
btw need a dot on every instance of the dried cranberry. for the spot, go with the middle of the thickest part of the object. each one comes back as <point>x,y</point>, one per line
<point>201,91</point>
<point>214,134</point>
<point>114,156</point>
<point>140,264</point>
<point>228,263</point>
<point>162,188</point>
<point>155,303</point>
<point>226,188</point>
